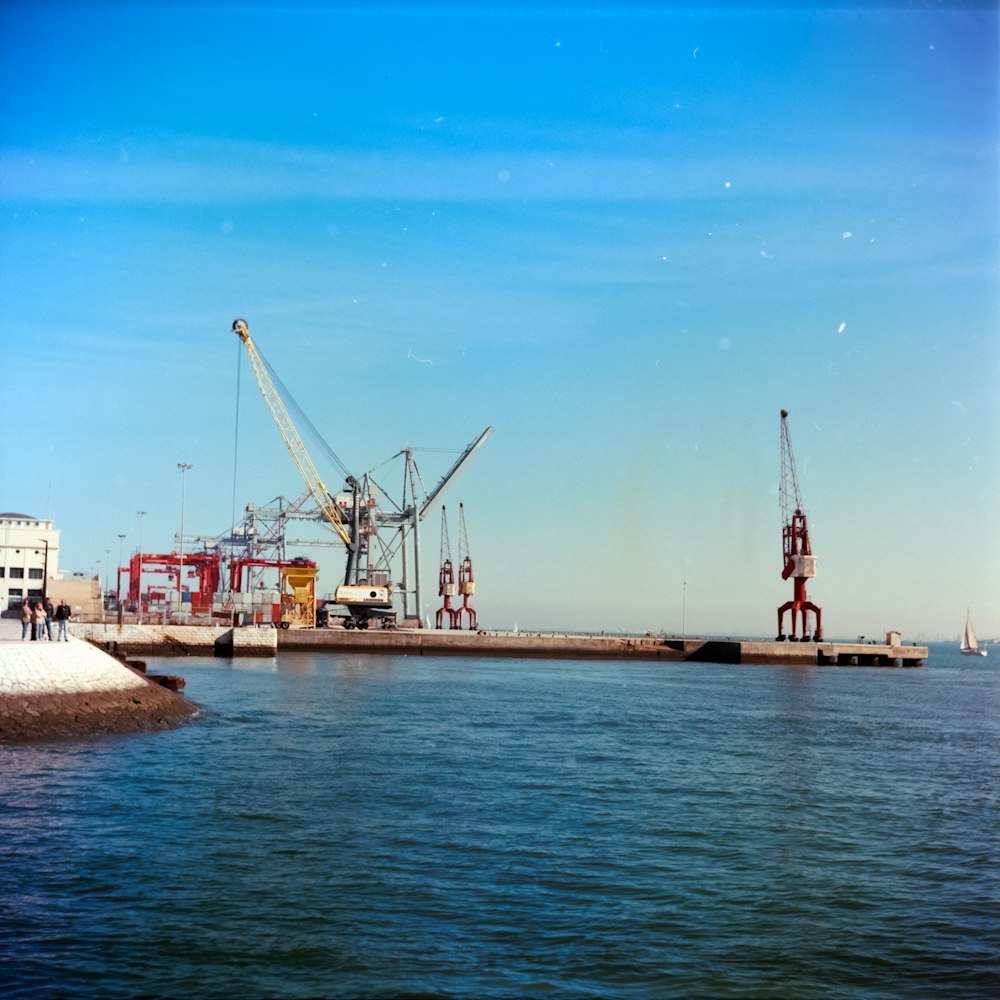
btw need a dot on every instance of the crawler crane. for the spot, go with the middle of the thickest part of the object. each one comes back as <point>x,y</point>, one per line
<point>362,599</point>
<point>799,562</point>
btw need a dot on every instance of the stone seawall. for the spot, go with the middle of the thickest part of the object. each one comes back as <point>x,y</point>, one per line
<point>55,689</point>
<point>136,641</point>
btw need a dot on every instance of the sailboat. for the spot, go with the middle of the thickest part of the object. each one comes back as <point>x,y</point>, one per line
<point>969,646</point>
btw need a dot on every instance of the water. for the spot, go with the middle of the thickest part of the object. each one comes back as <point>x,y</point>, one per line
<point>345,826</point>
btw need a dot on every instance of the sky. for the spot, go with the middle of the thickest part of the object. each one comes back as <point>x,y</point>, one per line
<point>625,238</point>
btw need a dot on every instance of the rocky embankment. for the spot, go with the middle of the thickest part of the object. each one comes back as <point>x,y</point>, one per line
<point>57,689</point>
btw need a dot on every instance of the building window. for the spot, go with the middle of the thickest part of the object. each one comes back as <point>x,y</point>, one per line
<point>17,572</point>
<point>17,592</point>
<point>3,570</point>
<point>35,574</point>
<point>34,595</point>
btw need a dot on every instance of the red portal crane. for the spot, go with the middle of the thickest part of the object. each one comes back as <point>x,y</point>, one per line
<point>799,562</point>
<point>203,566</point>
<point>446,580</point>
<point>466,581</point>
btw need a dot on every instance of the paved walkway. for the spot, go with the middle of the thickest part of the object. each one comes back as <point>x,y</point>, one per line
<point>10,630</point>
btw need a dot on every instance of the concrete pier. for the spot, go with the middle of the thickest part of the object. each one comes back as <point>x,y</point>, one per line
<point>208,640</point>
<point>440,642</point>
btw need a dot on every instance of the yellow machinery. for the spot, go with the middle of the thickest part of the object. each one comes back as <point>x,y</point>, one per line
<point>298,596</point>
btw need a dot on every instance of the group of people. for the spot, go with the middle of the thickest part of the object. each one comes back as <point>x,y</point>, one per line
<point>36,621</point>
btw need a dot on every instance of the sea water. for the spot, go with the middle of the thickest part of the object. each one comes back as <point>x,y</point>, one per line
<point>355,826</point>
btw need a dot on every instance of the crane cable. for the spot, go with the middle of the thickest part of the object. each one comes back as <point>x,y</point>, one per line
<point>301,418</point>
<point>236,431</point>
<point>293,441</point>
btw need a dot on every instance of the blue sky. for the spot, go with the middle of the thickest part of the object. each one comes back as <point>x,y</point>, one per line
<point>624,238</point>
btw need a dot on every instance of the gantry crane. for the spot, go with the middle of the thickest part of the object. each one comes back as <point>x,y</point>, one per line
<point>446,578</point>
<point>466,581</point>
<point>799,562</point>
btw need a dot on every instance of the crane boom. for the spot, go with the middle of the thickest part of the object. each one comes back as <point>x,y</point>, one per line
<point>457,467</point>
<point>790,497</point>
<point>307,469</point>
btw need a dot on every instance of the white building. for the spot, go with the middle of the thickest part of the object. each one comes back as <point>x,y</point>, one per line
<point>29,553</point>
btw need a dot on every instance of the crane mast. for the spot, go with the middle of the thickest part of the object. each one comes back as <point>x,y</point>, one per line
<point>798,561</point>
<point>307,469</point>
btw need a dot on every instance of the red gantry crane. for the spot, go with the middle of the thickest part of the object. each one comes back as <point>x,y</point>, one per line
<point>799,562</point>
<point>446,580</point>
<point>466,581</point>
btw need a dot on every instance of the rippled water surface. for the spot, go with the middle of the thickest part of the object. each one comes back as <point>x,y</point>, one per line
<point>405,826</point>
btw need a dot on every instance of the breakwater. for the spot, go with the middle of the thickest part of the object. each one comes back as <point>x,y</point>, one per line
<point>54,689</point>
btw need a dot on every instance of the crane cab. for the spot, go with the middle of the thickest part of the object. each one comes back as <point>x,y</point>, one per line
<point>364,602</point>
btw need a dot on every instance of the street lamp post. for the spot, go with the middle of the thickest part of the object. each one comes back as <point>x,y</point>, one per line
<point>107,577</point>
<point>118,592</point>
<point>183,466</point>
<point>140,514</point>
<point>45,571</point>
<point>118,583</point>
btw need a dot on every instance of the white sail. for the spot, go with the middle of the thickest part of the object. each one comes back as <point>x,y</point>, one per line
<point>969,645</point>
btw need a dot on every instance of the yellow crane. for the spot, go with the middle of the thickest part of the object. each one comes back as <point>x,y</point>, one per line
<point>307,468</point>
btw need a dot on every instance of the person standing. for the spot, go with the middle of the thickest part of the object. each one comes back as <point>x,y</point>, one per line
<point>38,619</point>
<point>49,612</point>
<point>62,618</point>
<point>25,619</point>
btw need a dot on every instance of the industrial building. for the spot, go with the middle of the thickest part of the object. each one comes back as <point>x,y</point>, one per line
<point>29,567</point>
